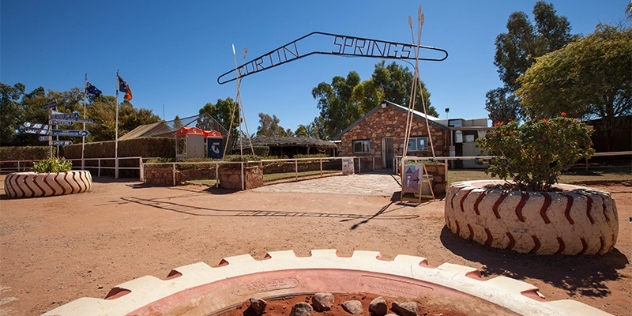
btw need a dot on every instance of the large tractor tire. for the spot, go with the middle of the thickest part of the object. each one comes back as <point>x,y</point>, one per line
<point>31,184</point>
<point>199,289</point>
<point>574,220</point>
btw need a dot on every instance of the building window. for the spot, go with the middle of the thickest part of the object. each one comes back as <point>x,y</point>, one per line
<point>418,144</point>
<point>361,146</point>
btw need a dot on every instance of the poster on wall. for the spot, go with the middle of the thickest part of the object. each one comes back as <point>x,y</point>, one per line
<point>410,182</point>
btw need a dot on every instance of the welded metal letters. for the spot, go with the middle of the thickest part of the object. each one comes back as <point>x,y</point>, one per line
<point>342,45</point>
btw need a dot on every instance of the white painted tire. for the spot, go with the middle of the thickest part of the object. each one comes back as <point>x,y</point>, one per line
<point>32,184</point>
<point>199,289</point>
<point>575,221</point>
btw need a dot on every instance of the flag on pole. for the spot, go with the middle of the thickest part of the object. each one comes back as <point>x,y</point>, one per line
<point>92,90</point>
<point>128,94</point>
<point>124,87</point>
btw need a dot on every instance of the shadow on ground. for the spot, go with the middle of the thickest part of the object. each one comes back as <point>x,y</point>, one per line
<point>582,275</point>
<point>195,210</point>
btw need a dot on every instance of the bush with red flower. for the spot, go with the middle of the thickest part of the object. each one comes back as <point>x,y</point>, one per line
<point>535,153</point>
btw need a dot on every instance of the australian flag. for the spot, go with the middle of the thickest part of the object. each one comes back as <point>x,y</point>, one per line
<point>92,90</point>
<point>122,85</point>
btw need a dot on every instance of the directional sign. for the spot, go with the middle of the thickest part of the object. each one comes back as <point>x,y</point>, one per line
<point>63,116</point>
<point>70,132</point>
<point>84,120</point>
<point>71,121</point>
<point>44,138</point>
<point>62,122</point>
<point>35,125</point>
<point>61,143</point>
<point>37,131</point>
<point>50,105</point>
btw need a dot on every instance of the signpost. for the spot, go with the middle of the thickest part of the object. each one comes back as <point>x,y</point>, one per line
<point>61,122</point>
<point>37,131</point>
<point>58,118</point>
<point>63,116</point>
<point>69,132</point>
<point>35,125</point>
<point>50,105</point>
<point>61,143</point>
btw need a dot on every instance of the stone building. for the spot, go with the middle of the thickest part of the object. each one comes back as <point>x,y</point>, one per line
<point>381,132</point>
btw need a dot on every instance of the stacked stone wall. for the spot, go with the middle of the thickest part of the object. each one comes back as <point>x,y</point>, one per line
<point>161,176</point>
<point>230,178</point>
<point>439,179</point>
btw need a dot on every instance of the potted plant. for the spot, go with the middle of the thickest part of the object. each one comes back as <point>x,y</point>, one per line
<point>532,212</point>
<point>49,177</point>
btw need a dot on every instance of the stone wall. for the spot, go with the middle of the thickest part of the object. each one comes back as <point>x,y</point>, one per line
<point>161,176</point>
<point>391,122</point>
<point>440,181</point>
<point>230,178</point>
<point>164,176</point>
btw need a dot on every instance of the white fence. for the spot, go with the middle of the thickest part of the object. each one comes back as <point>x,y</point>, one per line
<point>296,162</point>
<point>368,161</point>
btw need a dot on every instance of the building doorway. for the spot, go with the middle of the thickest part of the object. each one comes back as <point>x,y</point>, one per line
<point>387,152</point>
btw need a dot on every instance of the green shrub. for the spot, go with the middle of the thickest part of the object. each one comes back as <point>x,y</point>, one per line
<point>159,160</point>
<point>238,158</point>
<point>535,153</point>
<point>52,165</point>
<point>26,152</point>
<point>262,151</point>
<point>299,156</point>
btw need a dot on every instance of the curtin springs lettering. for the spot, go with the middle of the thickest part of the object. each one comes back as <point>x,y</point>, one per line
<point>276,57</point>
<point>343,45</point>
<point>370,48</point>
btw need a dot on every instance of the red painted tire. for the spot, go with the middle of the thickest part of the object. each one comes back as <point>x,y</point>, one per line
<point>199,289</point>
<point>31,184</point>
<point>574,221</point>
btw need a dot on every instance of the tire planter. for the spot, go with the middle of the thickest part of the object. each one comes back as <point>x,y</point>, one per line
<point>199,289</point>
<point>574,221</point>
<point>32,184</point>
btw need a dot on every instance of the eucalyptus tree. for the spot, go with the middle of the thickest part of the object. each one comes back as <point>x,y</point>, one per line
<point>395,83</point>
<point>225,112</point>
<point>269,126</point>
<point>518,48</point>
<point>589,78</point>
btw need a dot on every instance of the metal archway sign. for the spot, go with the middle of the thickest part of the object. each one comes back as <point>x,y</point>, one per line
<point>342,45</point>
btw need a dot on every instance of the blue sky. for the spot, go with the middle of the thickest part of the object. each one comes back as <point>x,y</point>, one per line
<point>171,52</point>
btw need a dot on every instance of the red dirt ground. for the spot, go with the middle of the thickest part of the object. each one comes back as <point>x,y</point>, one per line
<point>56,249</point>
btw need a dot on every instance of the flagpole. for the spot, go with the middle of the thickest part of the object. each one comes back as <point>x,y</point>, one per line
<point>116,170</point>
<point>83,139</point>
